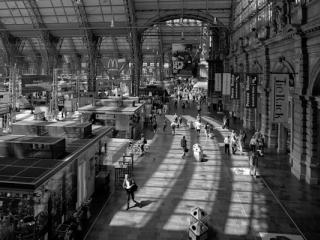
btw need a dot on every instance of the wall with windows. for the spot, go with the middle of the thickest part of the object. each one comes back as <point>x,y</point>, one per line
<point>278,41</point>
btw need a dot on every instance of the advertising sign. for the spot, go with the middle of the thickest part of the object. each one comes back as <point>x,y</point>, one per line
<point>280,92</point>
<point>251,90</point>
<point>114,66</point>
<point>226,83</point>
<point>182,62</point>
<point>217,82</point>
<point>36,83</point>
<point>235,86</point>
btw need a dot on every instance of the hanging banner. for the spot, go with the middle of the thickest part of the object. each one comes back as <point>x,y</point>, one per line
<point>251,90</point>
<point>235,86</point>
<point>280,92</point>
<point>226,81</point>
<point>36,83</point>
<point>217,82</point>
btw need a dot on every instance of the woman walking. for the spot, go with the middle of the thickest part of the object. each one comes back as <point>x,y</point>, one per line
<point>130,186</point>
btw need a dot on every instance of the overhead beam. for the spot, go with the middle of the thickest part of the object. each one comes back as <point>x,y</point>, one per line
<point>48,40</point>
<point>11,46</point>
<point>92,43</point>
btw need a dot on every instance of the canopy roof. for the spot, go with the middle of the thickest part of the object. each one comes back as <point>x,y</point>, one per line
<point>36,25</point>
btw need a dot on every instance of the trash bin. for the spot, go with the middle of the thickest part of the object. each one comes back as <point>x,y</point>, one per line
<point>198,231</point>
<point>197,214</point>
<point>197,152</point>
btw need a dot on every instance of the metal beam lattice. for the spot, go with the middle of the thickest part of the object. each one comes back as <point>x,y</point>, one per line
<point>47,39</point>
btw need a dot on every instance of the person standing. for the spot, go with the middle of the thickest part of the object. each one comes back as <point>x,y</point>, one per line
<point>227,145</point>
<point>130,186</point>
<point>183,144</point>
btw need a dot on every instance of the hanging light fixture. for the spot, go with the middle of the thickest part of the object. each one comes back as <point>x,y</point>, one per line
<point>112,22</point>
<point>112,17</point>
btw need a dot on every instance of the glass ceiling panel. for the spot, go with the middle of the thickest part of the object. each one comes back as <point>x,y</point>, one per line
<point>68,3</point>
<point>44,3</point>
<point>95,18</point>
<point>3,5</point>
<point>91,2</point>
<point>5,13</point>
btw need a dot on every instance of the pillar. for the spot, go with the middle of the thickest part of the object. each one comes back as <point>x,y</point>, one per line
<point>298,155</point>
<point>282,139</point>
<point>312,138</point>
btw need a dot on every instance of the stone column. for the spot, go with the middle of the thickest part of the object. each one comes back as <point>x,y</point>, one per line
<point>273,136</point>
<point>298,155</point>
<point>265,101</point>
<point>282,139</point>
<point>312,160</point>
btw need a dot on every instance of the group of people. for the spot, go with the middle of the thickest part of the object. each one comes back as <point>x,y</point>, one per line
<point>176,123</point>
<point>234,142</point>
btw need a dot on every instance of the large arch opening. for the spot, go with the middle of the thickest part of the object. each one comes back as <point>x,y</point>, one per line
<point>173,36</point>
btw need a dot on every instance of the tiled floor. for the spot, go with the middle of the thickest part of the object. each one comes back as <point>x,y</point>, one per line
<point>238,206</point>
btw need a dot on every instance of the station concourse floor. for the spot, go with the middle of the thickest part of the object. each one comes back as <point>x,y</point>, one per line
<point>238,205</point>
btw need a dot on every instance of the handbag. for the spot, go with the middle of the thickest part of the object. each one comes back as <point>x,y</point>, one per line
<point>134,187</point>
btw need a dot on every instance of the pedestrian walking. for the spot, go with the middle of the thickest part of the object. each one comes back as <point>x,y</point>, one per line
<point>227,145</point>
<point>130,186</point>
<point>180,120</point>
<point>206,130</point>
<point>253,162</point>
<point>183,144</point>
<point>165,125</point>
<point>253,144</point>
<point>173,128</point>
<point>198,127</point>
<point>199,108</point>
<point>154,126</point>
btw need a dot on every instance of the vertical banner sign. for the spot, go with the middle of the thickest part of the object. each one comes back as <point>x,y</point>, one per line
<point>236,86</point>
<point>280,98</point>
<point>226,83</point>
<point>251,90</point>
<point>232,87</point>
<point>217,82</point>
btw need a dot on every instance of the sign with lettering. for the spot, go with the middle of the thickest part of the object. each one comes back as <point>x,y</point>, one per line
<point>235,86</point>
<point>280,92</point>
<point>251,90</point>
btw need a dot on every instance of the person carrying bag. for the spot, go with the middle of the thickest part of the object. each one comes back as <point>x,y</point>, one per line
<point>130,186</point>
